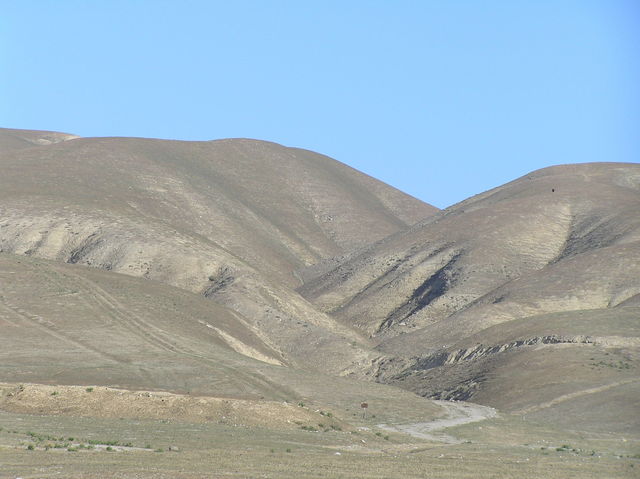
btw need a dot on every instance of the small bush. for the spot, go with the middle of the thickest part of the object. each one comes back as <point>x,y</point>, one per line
<point>89,390</point>
<point>288,450</point>
<point>30,447</point>
<point>109,448</point>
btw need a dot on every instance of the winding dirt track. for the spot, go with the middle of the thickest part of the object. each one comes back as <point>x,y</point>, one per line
<point>458,413</point>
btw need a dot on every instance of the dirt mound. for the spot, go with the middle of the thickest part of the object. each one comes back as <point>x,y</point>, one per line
<point>104,402</point>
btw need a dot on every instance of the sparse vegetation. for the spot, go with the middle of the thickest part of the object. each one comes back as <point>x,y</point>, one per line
<point>175,338</point>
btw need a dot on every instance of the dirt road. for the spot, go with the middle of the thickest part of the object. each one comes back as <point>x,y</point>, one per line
<point>458,413</point>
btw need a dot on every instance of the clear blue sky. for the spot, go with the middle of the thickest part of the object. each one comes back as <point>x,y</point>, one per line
<point>442,99</point>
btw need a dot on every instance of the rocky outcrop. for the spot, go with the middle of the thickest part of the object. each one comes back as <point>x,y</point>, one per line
<point>469,354</point>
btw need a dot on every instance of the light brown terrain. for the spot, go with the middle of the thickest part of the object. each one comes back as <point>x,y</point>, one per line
<point>515,298</point>
<point>221,309</point>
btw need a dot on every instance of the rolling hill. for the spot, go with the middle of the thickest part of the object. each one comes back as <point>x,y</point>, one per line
<point>240,296</point>
<point>563,242</point>
<point>231,220</point>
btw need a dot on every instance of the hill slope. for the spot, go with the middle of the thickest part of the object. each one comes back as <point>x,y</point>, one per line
<point>560,240</point>
<point>244,269</point>
<point>231,220</point>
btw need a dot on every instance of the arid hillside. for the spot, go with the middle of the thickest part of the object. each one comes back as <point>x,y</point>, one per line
<point>563,242</point>
<point>231,220</point>
<point>167,307</point>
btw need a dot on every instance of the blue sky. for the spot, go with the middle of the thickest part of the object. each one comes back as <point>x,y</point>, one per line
<point>442,99</point>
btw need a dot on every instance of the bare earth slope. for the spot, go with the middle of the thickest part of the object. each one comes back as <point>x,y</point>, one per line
<point>11,139</point>
<point>230,304</point>
<point>563,239</point>
<point>72,325</point>
<point>231,220</point>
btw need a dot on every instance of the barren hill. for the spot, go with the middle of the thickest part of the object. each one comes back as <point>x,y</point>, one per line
<point>560,240</point>
<point>231,220</point>
<point>242,298</point>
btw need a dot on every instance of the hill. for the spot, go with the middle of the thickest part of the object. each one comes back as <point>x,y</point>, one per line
<point>170,308</point>
<point>438,298</point>
<point>231,220</point>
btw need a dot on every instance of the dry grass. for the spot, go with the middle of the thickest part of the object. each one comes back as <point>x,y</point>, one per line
<point>213,450</point>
